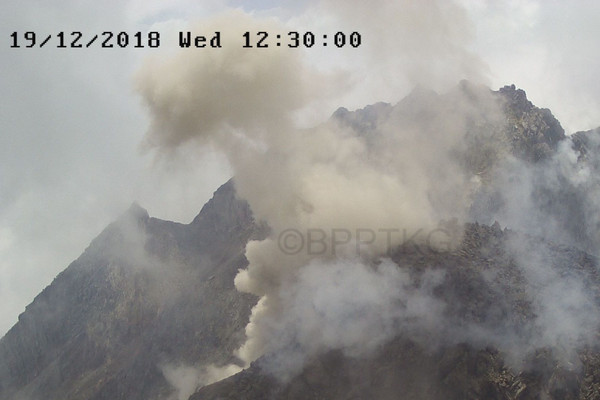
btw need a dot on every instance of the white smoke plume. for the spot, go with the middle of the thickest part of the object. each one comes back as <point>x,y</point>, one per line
<point>343,305</point>
<point>566,314</point>
<point>186,379</point>
<point>558,199</point>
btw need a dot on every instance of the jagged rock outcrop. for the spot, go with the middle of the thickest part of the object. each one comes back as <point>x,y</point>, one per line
<point>363,120</point>
<point>534,133</point>
<point>586,143</point>
<point>498,122</point>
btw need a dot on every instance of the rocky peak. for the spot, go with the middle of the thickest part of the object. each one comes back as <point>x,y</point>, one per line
<point>137,212</point>
<point>516,98</point>
<point>533,133</point>
<point>363,120</point>
<point>224,211</point>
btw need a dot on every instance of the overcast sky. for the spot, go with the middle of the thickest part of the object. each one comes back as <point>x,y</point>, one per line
<point>71,123</point>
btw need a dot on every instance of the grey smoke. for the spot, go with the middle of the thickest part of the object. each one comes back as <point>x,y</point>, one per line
<point>341,305</point>
<point>408,173</point>
<point>566,314</point>
<point>328,177</point>
<point>558,199</point>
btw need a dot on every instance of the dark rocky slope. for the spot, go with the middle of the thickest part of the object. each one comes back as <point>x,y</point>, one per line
<point>145,293</point>
<point>483,287</point>
<point>492,344</point>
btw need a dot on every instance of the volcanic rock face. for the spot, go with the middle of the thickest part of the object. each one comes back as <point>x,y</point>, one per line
<point>145,294</point>
<point>488,301</point>
<point>534,132</point>
<point>151,305</point>
<point>519,314</point>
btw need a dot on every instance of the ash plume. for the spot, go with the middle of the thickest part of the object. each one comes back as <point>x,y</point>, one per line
<point>404,171</point>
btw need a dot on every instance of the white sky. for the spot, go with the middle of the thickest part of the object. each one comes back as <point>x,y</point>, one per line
<point>71,124</point>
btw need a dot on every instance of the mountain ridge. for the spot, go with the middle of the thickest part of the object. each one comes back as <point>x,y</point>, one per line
<point>103,322</point>
<point>149,296</point>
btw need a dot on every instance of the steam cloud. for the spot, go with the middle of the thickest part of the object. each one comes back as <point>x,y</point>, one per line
<point>407,174</point>
<point>187,379</point>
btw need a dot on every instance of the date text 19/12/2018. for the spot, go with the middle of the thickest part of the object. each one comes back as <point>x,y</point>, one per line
<point>153,39</point>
